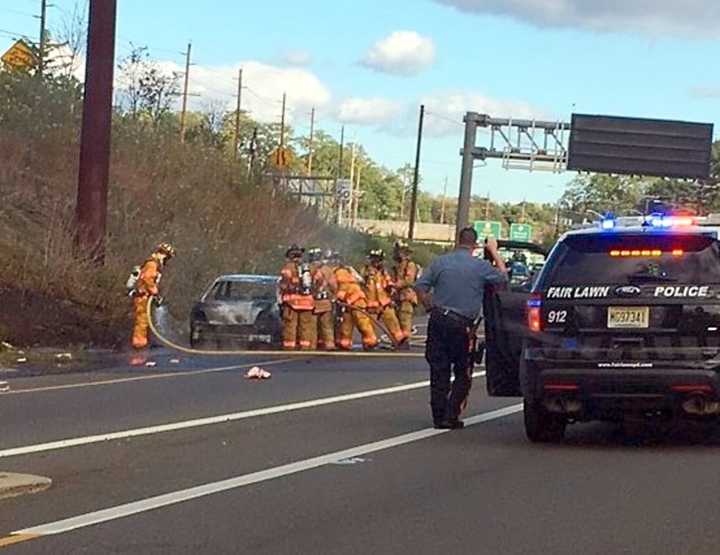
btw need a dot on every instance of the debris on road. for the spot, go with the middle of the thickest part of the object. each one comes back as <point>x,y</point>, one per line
<point>151,364</point>
<point>5,346</point>
<point>174,361</point>
<point>4,387</point>
<point>351,460</point>
<point>62,358</point>
<point>257,373</point>
<point>12,485</point>
<point>22,360</point>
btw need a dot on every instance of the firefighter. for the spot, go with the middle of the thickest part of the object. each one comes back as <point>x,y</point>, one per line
<point>379,287</point>
<point>297,301</point>
<point>405,274</point>
<point>352,302</point>
<point>324,290</point>
<point>145,285</point>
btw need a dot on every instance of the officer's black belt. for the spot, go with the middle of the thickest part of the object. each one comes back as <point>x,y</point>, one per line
<point>452,315</point>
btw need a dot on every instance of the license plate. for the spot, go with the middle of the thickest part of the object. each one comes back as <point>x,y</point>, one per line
<point>628,317</point>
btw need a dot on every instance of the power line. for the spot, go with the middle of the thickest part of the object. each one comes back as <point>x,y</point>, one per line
<point>445,118</point>
<point>17,12</point>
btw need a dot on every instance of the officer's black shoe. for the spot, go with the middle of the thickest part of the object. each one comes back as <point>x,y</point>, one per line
<point>449,425</point>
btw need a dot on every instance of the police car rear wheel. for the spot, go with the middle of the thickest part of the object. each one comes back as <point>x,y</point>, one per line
<point>540,425</point>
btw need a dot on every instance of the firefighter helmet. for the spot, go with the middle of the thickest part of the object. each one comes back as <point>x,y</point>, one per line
<point>294,251</point>
<point>332,256</point>
<point>402,246</point>
<point>314,255</point>
<point>165,248</point>
<point>377,254</point>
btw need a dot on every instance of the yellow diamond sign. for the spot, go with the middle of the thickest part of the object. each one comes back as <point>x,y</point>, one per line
<point>281,157</point>
<point>19,56</point>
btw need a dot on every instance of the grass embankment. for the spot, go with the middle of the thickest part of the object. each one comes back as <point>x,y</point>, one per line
<point>219,219</point>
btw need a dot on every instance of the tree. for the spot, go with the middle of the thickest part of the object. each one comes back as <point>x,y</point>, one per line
<point>147,91</point>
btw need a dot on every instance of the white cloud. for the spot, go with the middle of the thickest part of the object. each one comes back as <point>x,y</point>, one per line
<point>445,110</point>
<point>401,53</point>
<point>265,87</point>
<point>653,17</point>
<point>298,58</point>
<point>368,111</point>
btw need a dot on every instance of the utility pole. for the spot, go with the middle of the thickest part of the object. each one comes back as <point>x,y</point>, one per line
<point>416,176</point>
<point>93,175</point>
<point>237,116</point>
<point>356,198</point>
<point>311,144</point>
<point>253,150</point>
<point>342,151</point>
<point>339,176</point>
<point>352,182</point>
<point>183,113</point>
<point>487,206</point>
<point>43,35</point>
<point>282,122</point>
<point>443,202</point>
<point>522,214</point>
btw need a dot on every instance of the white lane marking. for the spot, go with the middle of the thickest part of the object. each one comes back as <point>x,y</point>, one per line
<point>207,421</point>
<point>151,503</point>
<point>176,374</point>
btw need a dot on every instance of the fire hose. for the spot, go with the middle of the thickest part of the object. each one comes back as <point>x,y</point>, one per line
<point>188,350</point>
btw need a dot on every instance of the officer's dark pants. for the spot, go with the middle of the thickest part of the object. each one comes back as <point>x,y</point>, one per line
<point>448,349</point>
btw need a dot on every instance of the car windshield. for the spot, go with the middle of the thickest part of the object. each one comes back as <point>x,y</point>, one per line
<point>619,259</point>
<point>244,291</point>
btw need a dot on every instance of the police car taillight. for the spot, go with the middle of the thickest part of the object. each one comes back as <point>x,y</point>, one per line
<point>534,313</point>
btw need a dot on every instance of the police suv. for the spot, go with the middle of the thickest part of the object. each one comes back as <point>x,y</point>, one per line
<point>622,321</point>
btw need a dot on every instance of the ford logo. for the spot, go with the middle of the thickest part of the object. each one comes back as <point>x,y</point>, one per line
<point>628,291</point>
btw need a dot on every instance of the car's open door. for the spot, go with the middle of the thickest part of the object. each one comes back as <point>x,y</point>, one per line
<point>505,329</point>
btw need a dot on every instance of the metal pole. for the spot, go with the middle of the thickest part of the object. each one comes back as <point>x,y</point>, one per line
<point>463,212</point>
<point>183,113</point>
<point>416,176</point>
<point>342,151</point>
<point>311,144</point>
<point>352,182</point>
<point>444,201</point>
<point>282,122</point>
<point>356,198</point>
<point>237,116</point>
<point>253,150</point>
<point>339,176</point>
<point>94,171</point>
<point>43,36</point>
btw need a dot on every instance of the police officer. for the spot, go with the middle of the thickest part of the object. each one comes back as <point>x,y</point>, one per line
<point>452,292</point>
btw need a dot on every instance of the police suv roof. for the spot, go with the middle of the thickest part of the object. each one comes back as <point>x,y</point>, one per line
<point>643,230</point>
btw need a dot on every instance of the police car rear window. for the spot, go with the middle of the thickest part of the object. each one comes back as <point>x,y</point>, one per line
<point>644,258</point>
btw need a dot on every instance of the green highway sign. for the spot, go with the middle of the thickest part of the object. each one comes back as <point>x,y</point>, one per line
<point>521,232</point>
<point>487,229</point>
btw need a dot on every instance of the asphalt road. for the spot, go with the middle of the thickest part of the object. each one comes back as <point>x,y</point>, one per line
<point>333,456</point>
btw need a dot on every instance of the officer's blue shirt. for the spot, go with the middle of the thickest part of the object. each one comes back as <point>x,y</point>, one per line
<point>458,281</point>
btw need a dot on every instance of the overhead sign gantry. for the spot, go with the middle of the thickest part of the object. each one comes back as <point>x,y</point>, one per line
<point>591,143</point>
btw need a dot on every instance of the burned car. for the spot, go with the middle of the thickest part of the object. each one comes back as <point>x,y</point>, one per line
<point>241,309</point>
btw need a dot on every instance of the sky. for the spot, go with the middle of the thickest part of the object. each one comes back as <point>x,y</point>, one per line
<point>369,65</point>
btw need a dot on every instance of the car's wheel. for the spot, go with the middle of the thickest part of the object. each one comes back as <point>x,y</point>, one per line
<point>542,426</point>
